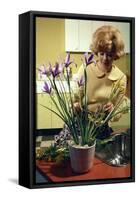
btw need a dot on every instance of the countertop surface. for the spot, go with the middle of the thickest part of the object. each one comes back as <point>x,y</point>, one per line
<point>100,170</point>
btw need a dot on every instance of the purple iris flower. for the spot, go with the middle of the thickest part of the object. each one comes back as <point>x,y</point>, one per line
<point>56,69</point>
<point>88,59</point>
<point>42,70</point>
<point>47,88</point>
<point>81,81</point>
<point>68,62</point>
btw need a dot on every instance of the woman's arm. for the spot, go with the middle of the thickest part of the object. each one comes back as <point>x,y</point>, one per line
<point>120,97</point>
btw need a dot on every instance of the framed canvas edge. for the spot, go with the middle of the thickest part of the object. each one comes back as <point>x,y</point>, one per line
<point>24,132</point>
<point>30,182</point>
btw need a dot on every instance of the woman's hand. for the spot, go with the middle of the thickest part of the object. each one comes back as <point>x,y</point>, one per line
<point>108,107</point>
<point>77,106</point>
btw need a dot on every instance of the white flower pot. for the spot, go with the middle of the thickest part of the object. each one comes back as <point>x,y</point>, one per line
<point>81,157</point>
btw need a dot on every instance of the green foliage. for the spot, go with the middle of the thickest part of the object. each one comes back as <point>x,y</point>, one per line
<point>55,153</point>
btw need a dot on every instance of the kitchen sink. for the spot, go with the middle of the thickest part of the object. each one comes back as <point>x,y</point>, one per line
<point>116,152</point>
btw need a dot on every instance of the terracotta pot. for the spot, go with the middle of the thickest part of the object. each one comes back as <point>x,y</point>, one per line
<point>81,157</point>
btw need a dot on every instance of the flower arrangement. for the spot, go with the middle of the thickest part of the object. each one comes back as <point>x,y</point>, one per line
<point>83,125</point>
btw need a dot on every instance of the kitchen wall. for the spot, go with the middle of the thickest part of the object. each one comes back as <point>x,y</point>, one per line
<point>50,47</point>
<point>49,40</point>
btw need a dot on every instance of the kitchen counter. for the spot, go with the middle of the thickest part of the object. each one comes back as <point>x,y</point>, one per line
<point>100,170</point>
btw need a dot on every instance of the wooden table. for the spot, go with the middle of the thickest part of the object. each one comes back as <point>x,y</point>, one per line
<point>64,173</point>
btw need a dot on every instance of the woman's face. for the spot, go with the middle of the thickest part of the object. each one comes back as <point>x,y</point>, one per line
<point>106,58</point>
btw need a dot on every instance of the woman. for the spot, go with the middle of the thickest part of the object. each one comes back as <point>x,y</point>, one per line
<point>107,45</point>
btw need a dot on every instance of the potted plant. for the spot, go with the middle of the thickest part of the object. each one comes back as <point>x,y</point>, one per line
<point>83,125</point>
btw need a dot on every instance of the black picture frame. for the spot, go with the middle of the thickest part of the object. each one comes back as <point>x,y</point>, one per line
<point>27,100</point>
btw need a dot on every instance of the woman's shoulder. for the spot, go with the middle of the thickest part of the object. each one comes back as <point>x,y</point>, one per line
<point>116,74</point>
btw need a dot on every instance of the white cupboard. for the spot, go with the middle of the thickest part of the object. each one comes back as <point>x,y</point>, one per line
<point>78,34</point>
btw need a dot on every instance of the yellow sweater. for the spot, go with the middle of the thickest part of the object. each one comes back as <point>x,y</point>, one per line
<point>99,85</point>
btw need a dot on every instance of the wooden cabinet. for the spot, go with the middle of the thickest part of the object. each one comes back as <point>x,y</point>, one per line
<point>71,35</point>
<point>78,34</point>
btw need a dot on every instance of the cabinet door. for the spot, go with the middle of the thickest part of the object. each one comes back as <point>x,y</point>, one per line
<point>85,35</point>
<point>77,35</point>
<point>71,35</point>
<point>96,25</point>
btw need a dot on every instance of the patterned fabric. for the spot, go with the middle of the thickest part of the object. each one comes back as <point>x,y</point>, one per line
<point>62,138</point>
